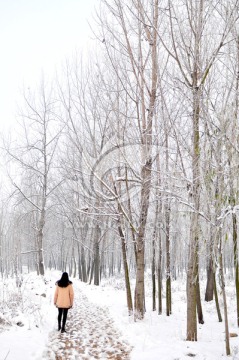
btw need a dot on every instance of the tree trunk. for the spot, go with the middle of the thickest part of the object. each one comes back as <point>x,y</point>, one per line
<point>79,263</point>
<point>193,251</point>
<point>210,270</point>
<point>234,214</point>
<point>97,256</point>
<point>83,265</point>
<point>216,300</point>
<point>235,255</point>
<point>221,271</point>
<point>160,278</point>
<point>40,242</point>
<point>126,271</point>
<point>191,295</point>
<point>139,286</point>
<point>210,280</point>
<point>92,270</point>
<point>153,274</point>
<point>168,265</point>
<point>199,305</point>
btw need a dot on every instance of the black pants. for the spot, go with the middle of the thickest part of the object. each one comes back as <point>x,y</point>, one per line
<point>60,312</point>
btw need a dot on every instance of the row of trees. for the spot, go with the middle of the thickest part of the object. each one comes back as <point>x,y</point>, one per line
<point>129,159</point>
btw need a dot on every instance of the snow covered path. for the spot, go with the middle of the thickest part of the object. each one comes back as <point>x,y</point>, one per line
<point>91,334</point>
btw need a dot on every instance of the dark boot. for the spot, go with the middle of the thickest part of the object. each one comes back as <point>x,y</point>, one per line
<point>59,326</point>
<point>63,330</point>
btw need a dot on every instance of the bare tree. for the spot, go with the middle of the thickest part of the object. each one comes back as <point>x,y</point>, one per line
<point>195,60</point>
<point>33,152</point>
<point>141,87</point>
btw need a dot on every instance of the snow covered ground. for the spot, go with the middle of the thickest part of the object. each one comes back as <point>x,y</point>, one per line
<point>28,322</point>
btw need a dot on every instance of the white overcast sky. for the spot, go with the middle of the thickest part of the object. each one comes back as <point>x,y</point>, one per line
<point>35,37</point>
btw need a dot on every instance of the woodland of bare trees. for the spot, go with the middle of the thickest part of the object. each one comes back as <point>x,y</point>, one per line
<point>128,159</point>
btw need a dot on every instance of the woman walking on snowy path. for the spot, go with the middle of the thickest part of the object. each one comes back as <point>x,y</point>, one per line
<point>63,299</point>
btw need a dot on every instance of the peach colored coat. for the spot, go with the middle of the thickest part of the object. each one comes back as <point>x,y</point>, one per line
<point>64,297</point>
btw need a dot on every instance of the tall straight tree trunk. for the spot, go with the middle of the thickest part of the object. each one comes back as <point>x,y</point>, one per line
<point>210,269</point>
<point>160,308</point>
<point>167,233</point>
<point>191,285</point>
<point>91,268</point>
<point>79,263</point>
<point>168,264</point>
<point>216,300</point>
<point>212,192</point>
<point>235,256</point>
<point>83,264</point>
<point>157,232</point>
<point>221,271</point>
<point>97,255</point>
<point>153,272</point>
<point>139,286</point>
<point>126,270</point>
<point>234,214</point>
<point>155,236</point>
<point>146,144</point>
<point>123,241</point>
<point>192,273</point>
<point>210,281</point>
<point>199,305</point>
<point>40,240</point>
